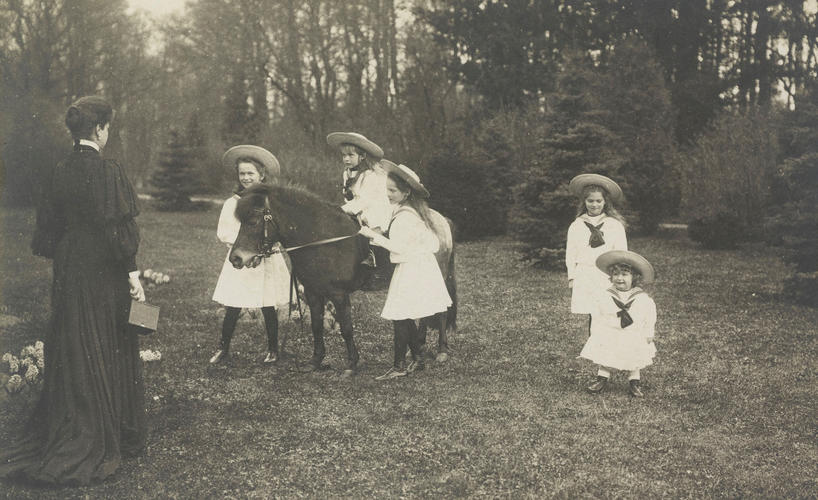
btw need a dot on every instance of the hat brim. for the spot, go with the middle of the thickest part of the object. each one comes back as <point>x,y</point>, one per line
<point>633,259</point>
<point>391,168</point>
<point>257,153</point>
<point>579,182</point>
<point>336,139</point>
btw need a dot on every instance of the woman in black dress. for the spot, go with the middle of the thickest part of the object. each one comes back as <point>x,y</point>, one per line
<point>91,411</point>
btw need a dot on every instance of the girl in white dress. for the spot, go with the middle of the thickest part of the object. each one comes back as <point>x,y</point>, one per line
<point>417,289</point>
<point>364,189</point>
<point>266,285</point>
<point>624,317</point>
<point>598,228</point>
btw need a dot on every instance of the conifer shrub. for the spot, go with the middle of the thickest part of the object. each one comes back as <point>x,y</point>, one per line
<point>176,178</point>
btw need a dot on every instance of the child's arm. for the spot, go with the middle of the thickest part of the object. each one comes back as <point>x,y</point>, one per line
<point>571,250</point>
<point>229,225</point>
<point>646,317</point>
<point>370,191</point>
<point>619,240</point>
<point>409,237</point>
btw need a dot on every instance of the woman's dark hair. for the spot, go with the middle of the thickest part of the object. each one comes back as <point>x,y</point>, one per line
<point>413,200</point>
<point>260,168</point>
<point>85,114</point>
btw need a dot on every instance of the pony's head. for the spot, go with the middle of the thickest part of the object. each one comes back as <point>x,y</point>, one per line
<point>259,231</point>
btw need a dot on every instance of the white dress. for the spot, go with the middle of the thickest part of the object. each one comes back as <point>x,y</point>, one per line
<point>417,288</point>
<point>580,258</point>
<point>369,190</point>
<point>266,285</point>
<point>612,346</point>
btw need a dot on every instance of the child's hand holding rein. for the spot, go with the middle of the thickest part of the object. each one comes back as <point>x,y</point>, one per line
<point>368,232</point>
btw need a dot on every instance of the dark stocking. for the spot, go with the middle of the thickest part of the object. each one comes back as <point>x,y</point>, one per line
<point>271,324</point>
<point>231,317</point>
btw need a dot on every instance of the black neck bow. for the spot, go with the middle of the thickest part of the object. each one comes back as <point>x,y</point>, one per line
<point>348,195</point>
<point>596,239</point>
<point>625,319</point>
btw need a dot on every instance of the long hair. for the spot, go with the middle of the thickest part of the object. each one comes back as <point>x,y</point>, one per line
<point>367,162</point>
<point>262,171</point>
<point>609,209</point>
<point>85,114</point>
<point>413,200</point>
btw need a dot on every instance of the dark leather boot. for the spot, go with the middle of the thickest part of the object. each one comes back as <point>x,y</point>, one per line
<point>598,386</point>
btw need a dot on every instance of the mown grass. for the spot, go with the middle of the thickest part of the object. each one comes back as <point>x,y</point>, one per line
<point>729,412</point>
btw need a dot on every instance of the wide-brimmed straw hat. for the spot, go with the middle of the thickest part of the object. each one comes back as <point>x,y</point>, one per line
<point>407,174</point>
<point>257,153</point>
<point>336,139</point>
<point>633,259</point>
<point>579,182</point>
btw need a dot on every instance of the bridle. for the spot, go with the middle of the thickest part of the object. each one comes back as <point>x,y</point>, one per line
<point>270,246</point>
<point>267,243</point>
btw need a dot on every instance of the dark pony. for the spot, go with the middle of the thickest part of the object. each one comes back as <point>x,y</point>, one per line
<point>293,216</point>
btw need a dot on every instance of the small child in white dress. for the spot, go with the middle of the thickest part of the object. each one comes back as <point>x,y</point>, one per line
<point>624,318</point>
<point>417,288</point>
<point>265,286</point>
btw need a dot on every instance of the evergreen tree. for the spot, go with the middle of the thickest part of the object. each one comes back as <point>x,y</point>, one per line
<point>176,179</point>
<point>796,214</point>
<point>639,111</point>
<point>572,141</point>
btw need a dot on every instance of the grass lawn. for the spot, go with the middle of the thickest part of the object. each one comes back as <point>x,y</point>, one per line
<point>730,406</point>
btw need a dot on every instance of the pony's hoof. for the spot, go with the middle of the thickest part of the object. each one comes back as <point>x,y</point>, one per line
<point>442,357</point>
<point>271,357</point>
<point>315,367</point>
<point>348,373</point>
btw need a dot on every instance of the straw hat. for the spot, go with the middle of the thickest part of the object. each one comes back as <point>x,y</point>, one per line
<point>257,153</point>
<point>579,182</point>
<point>336,139</point>
<point>633,259</point>
<point>407,175</point>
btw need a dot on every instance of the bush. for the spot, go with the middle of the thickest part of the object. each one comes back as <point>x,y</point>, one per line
<point>460,190</point>
<point>721,231</point>
<point>729,171</point>
<point>794,216</point>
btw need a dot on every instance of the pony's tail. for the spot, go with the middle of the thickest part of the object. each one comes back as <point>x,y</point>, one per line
<point>451,286</point>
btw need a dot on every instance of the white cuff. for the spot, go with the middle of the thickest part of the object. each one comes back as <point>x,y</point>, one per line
<point>133,274</point>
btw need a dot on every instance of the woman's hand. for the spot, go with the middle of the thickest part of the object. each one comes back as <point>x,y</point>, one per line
<point>137,292</point>
<point>571,283</point>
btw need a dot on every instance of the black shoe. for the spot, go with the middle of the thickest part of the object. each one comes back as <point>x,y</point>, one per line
<point>598,386</point>
<point>634,390</point>
<point>369,261</point>
<point>219,356</point>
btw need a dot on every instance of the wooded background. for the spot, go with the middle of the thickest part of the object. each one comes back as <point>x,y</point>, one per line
<point>496,103</point>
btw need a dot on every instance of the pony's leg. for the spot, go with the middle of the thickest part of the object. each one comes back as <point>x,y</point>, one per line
<point>343,312</point>
<point>442,337</point>
<point>423,327</point>
<point>316,304</point>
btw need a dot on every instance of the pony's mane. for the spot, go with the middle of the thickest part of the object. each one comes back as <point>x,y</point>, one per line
<point>252,197</point>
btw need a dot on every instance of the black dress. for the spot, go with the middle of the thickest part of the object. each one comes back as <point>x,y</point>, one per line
<point>91,411</point>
